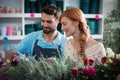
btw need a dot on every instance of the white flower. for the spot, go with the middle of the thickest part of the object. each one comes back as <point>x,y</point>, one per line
<point>110,53</point>
<point>118,56</point>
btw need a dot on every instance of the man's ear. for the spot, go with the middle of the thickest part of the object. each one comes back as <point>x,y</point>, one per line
<point>57,20</point>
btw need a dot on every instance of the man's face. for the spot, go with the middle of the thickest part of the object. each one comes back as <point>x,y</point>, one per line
<point>49,23</point>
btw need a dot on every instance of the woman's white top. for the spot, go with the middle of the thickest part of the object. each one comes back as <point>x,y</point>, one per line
<point>95,52</point>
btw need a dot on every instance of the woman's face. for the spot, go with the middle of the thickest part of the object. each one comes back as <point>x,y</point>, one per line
<point>68,26</point>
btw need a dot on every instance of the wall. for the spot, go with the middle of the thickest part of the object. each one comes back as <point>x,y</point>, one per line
<point>108,5</point>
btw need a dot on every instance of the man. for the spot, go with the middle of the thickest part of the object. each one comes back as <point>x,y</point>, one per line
<point>45,43</point>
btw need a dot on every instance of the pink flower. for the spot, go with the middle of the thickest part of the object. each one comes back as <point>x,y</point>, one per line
<point>15,59</point>
<point>89,71</point>
<point>104,59</point>
<point>85,61</point>
<point>91,61</point>
<point>74,71</point>
<point>113,63</point>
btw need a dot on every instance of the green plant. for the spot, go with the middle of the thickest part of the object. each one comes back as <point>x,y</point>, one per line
<point>111,35</point>
<point>27,68</point>
<point>112,38</point>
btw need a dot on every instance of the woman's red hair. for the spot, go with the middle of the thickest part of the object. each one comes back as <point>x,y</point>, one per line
<point>76,14</point>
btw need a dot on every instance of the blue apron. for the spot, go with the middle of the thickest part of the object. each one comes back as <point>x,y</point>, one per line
<point>45,52</point>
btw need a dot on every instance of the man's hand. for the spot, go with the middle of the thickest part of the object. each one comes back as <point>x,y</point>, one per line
<point>7,61</point>
<point>10,55</point>
<point>5,66</point>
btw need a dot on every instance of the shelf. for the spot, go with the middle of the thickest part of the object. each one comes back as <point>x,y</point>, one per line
<point>36,15</point>
<point>97,36</point>
<point>21,19</point>
<point>7,15</point>
<point>12,37</point>
<point>93,15</point>
<point>19,15</point>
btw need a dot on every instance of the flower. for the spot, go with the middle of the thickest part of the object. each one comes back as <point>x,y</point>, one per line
<point>91,61</point>
<point>110,53</point>
<point>85,61</point>
<point>15,59</point>
<point>27,68</point>
<point>89,71</point>
<point>74,71</point>
<point>104,59</point>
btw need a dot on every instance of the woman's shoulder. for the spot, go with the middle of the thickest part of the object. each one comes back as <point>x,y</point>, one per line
<point>69,42</point>
<point>98,43</point>
<point>95,48</point>
<point>93,44</point>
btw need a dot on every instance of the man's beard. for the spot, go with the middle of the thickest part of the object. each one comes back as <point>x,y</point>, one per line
<point>48,31</point>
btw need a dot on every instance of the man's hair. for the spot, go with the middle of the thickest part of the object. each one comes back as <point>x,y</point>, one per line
<point>52,10</point>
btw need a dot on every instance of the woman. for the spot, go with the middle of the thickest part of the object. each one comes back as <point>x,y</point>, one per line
<point>81,46</point>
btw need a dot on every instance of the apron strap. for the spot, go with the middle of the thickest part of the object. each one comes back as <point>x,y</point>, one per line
<point>46,52</point>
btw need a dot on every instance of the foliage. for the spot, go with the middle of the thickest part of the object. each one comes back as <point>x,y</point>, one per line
<point>43,69</point>
<point>55,69</point>
<point>111,38</point>
<point>111,33</point>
